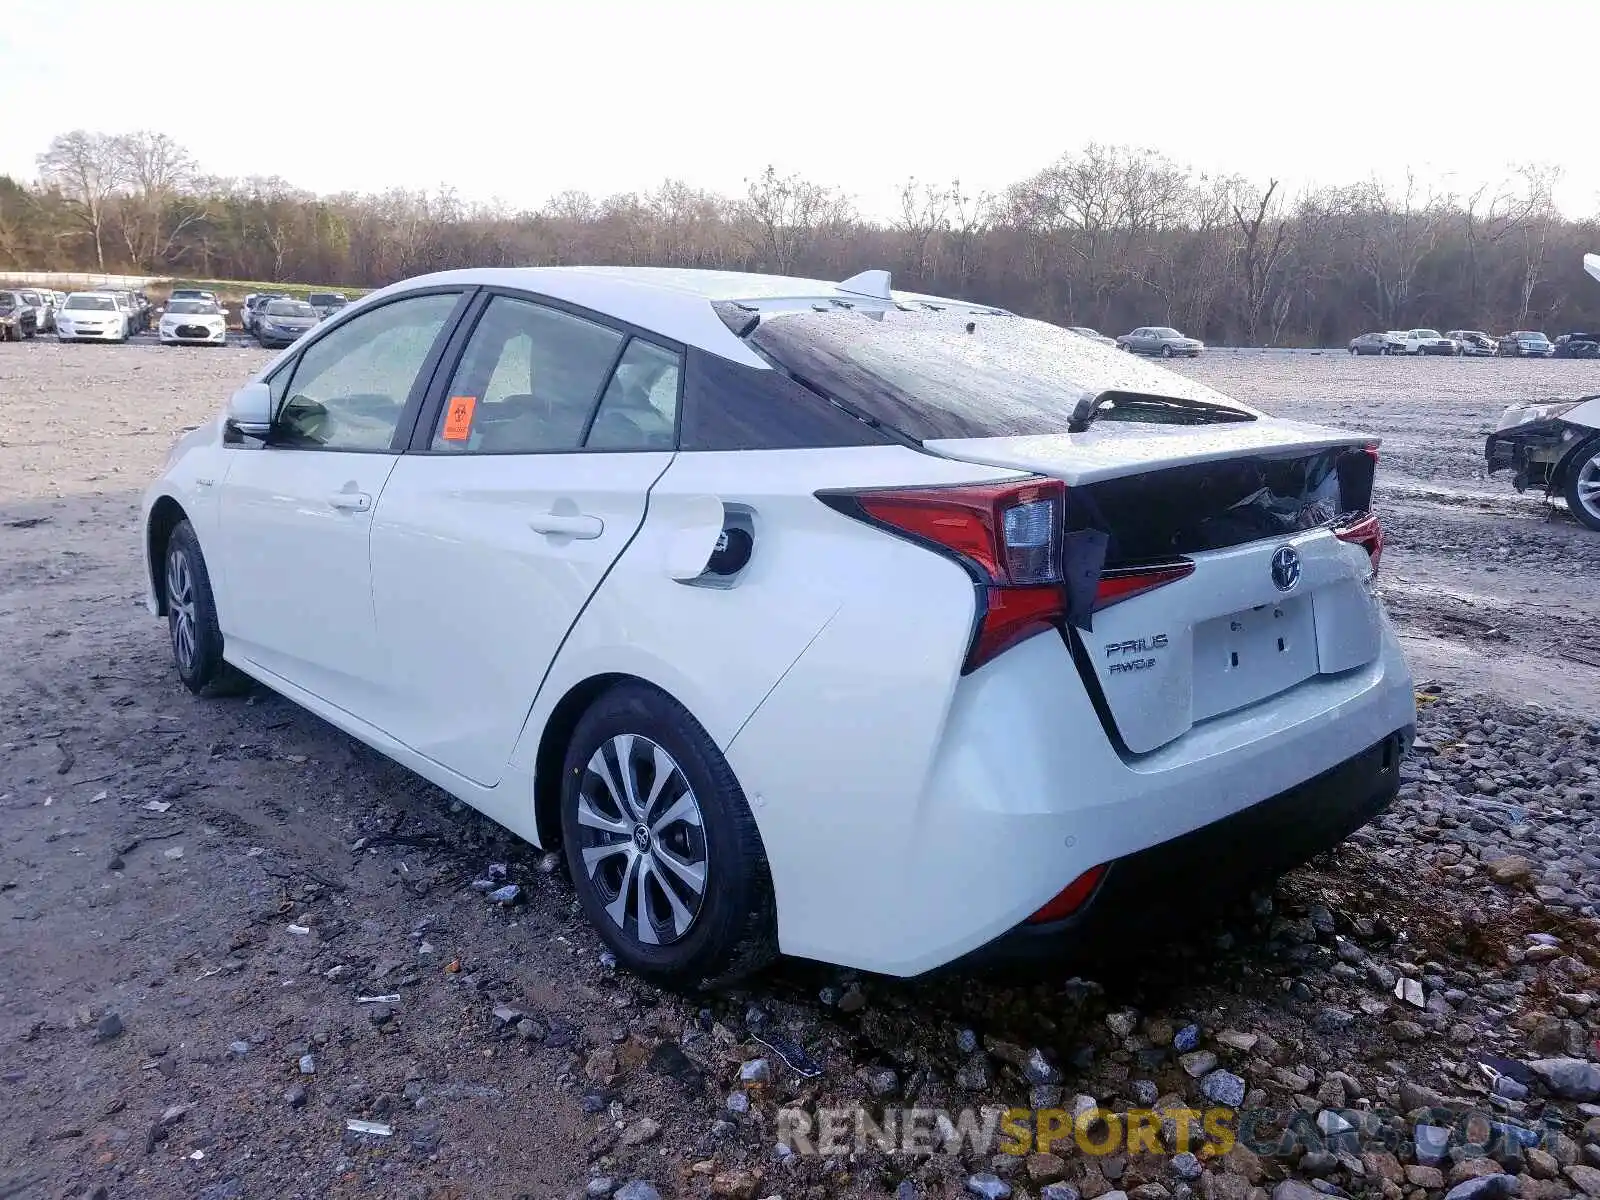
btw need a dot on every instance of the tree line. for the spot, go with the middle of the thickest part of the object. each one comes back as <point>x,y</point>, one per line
<point>1107,236</point>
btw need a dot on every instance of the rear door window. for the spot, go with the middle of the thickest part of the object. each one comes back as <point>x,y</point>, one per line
<point>528,382</point>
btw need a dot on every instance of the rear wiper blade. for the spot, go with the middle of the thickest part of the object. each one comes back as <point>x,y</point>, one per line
<point>1089,409</point>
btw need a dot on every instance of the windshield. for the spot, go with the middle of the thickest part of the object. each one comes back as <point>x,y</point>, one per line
<point>92,303</point>
<point>1525,336</point>
<point>325,298</point>
<point>1166,333</point>
<point>204,307</point>
<point>289,308</point>
<point>1425,333</point>
<point>956,374</point>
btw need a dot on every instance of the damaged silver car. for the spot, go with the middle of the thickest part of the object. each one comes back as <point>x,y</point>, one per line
<point>1554,445</point>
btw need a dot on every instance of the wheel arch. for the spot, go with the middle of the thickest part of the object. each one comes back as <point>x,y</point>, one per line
<point>166,514</point>
<point>1580,450</point>
<point>553,741</point>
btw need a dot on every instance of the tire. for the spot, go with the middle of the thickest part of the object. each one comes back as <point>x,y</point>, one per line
<point>1582,485</point>
<point>192,625</point>
<point>1166,352</point>
<point>731,926</point>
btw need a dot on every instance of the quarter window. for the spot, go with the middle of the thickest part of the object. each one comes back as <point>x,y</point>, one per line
<point>528,382</point>
<point>350,387</point>
<point>640,408</point>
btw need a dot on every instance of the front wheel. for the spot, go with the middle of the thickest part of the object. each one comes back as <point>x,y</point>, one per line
<point>192,616</point>
<point>661,844</point>
<point>1583,485</point>
<point>1166,352</point>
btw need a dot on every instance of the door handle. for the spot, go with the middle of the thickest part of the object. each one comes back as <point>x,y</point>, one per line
<point>573,525</point>
<point>350,501</point>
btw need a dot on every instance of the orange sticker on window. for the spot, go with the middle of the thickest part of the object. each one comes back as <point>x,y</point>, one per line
<point>458,418</point>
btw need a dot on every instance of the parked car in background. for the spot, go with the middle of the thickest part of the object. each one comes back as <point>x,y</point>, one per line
<point>1094,335</point>
<point>1577,345</point>
<point>1526,343</point>
<point>192,294</point>
<point>1370,343</point>
<point>516,528</point>
<point>281,322</point>
<point>192,321</point>
<point>1474,343</point>
<point>1427,341</point>
<point>327,303</point>
<point>92,317</point>
<point>1162,340</point>
<point>44,308</point>
<point>251,308</point>
<point>18,319</point>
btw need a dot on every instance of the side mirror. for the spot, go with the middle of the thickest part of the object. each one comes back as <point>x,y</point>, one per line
<point>250,410</point>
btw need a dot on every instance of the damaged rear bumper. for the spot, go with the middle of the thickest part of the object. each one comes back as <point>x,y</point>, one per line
<point>1172,886</point>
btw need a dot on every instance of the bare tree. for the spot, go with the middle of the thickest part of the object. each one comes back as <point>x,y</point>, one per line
<point>159,204</point>
<point>784,214</point>
<point>924,211</point>
<point>971,216</point>
<point>1539,183</point>
<point>1263,233</point>
<point>1395,234</point>
<point>87,169</point>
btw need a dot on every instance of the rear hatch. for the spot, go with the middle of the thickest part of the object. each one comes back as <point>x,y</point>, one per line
<point>1274,596</point>
<point>1258,530</point>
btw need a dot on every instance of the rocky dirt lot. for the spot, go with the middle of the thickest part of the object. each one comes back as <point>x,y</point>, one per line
<point>229,929</point>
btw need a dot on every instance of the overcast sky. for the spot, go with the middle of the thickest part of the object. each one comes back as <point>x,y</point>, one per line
<point>516,100</point>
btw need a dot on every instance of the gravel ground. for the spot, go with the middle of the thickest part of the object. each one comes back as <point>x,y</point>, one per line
<point>205,897</point>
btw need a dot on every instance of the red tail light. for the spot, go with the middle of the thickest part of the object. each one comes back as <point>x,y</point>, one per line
<point>1366,532</point>
<point>1007,536</point>
<point>1123,583</point>
<point>1071,898</point>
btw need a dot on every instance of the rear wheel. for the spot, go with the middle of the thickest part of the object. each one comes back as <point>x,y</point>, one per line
<point>661,844</point>
<point>1583,485</point>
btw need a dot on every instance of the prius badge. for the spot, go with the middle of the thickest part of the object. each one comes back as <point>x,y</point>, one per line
<point>1285,568</point>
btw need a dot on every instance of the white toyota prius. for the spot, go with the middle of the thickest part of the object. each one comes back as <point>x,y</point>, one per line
<point>823,619</point>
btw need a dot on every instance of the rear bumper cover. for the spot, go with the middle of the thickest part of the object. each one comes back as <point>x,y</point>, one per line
<point>1161,889</point>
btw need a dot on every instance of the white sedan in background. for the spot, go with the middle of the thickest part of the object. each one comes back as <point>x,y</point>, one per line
<point>91,317</point>
<point>195,322</point>
<point>980,641</point>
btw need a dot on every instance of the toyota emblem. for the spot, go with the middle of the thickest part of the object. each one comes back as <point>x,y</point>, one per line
<point>1285,568</point>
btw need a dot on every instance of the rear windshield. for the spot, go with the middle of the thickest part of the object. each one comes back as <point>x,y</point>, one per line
<point>961,374</point>
<point>92,303</point>
<point>325,298</point>
<point>289,308</point>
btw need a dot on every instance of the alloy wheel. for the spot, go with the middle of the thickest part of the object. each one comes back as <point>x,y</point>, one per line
<point>1588,486</point>
<point>642,839</point>
<point>181,609</point>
